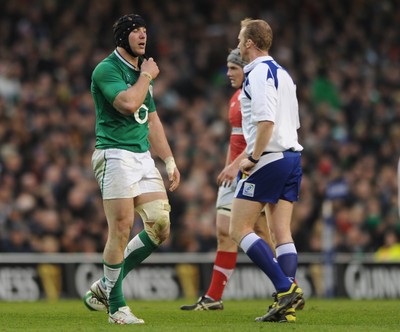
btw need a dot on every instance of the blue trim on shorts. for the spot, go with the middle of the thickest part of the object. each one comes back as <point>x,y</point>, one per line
<point>276,180</point>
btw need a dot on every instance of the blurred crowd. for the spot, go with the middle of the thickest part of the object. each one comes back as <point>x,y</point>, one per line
<point>343,55</point>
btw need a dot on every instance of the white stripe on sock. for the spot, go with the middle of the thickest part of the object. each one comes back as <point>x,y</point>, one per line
<point>248,241</point>
<point>133,245</point>
<point>226,272</point>
<point>111,275</point>
<point>287,248</point>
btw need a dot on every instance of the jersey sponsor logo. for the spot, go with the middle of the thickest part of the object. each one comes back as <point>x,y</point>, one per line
<point>248,189</point>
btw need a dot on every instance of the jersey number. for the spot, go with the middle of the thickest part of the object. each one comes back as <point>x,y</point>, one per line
<point>137,114</point>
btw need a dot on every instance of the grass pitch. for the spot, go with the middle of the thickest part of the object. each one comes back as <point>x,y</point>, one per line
<point>160,316</point>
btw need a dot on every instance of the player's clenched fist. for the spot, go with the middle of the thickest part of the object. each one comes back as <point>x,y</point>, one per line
<point>150,66</point>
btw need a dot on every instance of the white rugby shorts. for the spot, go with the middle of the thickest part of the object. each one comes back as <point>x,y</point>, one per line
<point>125,174</point>
<point>225,196</point>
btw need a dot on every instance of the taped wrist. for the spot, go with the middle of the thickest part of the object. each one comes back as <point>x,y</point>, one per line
<point>147,75</point>
<point>170,165</point>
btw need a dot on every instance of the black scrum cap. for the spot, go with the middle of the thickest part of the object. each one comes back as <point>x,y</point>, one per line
<point>123,27</point>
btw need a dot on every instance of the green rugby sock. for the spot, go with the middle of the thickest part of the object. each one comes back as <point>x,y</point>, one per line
<point>113,275</point>
<point>137,250</point>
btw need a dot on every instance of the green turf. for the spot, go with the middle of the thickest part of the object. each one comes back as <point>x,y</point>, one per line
<point>318,315</point>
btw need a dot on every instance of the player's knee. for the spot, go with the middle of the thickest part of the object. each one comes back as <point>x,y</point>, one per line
<point>119,229</point>
<point>234,235</point>
<point>155,216</point>
<point>223,235</point>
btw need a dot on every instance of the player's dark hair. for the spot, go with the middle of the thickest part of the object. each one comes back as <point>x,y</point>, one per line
<point>123,27</point>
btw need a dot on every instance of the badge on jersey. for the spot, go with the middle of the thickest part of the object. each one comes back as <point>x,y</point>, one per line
<point>248,189</point>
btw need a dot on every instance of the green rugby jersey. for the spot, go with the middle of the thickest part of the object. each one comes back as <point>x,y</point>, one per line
<point>113,129</point>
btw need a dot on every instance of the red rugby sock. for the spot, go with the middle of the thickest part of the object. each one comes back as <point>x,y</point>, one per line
<point>224,266</point>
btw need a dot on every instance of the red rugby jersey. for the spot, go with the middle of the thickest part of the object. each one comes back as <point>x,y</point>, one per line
<point>237,141</point>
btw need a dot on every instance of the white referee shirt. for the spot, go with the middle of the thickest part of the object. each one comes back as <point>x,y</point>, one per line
<point>269,94</point>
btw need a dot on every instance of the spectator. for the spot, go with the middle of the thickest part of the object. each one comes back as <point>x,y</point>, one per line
<point>47,116</point>
<point>390,250</point>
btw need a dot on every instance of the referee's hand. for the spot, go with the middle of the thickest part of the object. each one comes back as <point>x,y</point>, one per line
<point>246,166</point>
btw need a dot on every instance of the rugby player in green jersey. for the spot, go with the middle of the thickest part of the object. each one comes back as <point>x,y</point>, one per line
<point>127,125</point>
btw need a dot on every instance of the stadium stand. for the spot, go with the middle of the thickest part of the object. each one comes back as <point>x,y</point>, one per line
<point>344,56</point>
